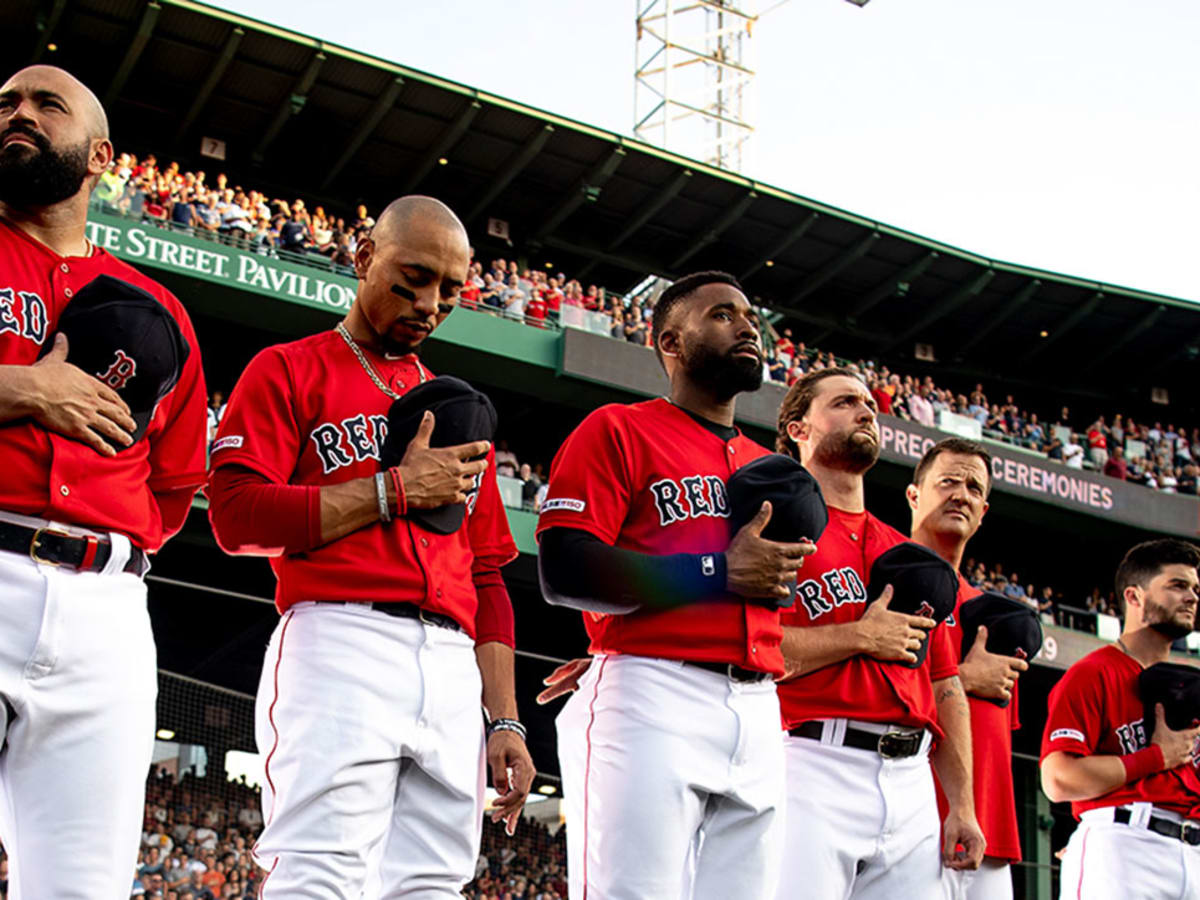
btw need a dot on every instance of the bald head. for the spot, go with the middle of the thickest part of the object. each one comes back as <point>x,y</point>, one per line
<point>415,211</point>
<point>81,102</point>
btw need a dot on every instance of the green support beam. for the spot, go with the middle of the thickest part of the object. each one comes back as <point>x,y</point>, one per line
<point>290,105</point>
<point>779,247</point>
<point>446,142</point>
<point>1080,313</point>
<point>215,74</point>
<point>996,319</point>
<point>942,308</point>
<point>515,165</point>
<point>889,285</point>
<point>651,209</point>
<point>1122,340</point>
<point>714,231</point>
<point>132,53</point>
<point>366,126</point>
<point>586,189</point>
<point>47,27</point>
<point>832,268</point>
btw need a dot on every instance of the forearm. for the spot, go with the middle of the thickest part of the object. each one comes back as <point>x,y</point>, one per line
<point>1074,778</point>
<point>351,505</point>
<point>496,668</point>
<point>579,570</point>
<point>808,649</point>
<point>252,515</point>
<point>18,392</point>
<point>952,759</point>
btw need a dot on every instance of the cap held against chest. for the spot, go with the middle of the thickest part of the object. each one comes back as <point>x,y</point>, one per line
<point>797,508</point>
<point>1013,628</point>
<point>124,336</point>
<point>461,415</point>
<point>923,584</point>
<point>1177,688</point>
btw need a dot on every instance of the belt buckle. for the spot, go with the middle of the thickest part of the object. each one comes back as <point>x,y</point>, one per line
<point>1189,832</point>
<point>37,539</point>
<point>893,748</point>
<point>424,619</point>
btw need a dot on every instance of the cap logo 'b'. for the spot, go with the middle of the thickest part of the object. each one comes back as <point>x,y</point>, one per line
<point>1020,653</point>
<point>121,370</point>
<point>926,610</point>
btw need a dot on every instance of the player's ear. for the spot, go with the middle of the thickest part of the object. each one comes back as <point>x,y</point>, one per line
<point>362,257</point>
<point>668,342</point>
<point>912,495</point>
<point>1132,596</point>
<point>797,431</point>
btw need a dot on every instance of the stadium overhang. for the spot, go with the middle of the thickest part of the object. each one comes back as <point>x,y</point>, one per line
<point>300,116</point>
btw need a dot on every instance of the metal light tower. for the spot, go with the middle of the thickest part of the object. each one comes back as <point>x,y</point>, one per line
<point>694,78</point>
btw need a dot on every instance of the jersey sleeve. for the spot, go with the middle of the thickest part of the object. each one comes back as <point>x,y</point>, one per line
<point>259,429</point>
<point>943,661</point>
<point>177,445</point>
<point>1074,714</point>
<point>590,479</point>
<point>487,524</point>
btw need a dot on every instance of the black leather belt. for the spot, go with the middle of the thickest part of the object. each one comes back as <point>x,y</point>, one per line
<point>412,611</point>
<point>730,671</point>
<point>53,547</point>
<point>1188,832</point>
<point>889,745</point>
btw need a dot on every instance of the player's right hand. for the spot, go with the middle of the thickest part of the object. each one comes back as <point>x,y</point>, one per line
<point>439,476</point>
<point>564,679</point>
<point>1177,746</point>
<point>890,635</point>
<point>759,569</point>
<point>989,675</point>
<point>69,401</point>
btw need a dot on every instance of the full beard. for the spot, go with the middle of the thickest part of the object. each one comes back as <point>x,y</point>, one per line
<point>847,451</point>
<point>35,179</point>
<point>1164,624</point>
<point>724,376</point>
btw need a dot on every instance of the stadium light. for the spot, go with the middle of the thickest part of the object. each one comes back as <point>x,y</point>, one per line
<point>547,789</point>
<point>442,160</point>
<point>164,734</point>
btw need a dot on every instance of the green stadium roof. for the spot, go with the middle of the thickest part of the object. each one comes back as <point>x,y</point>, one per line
<point>300,116</point>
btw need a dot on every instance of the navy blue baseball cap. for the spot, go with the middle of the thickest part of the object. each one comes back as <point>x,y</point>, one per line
<point>1177,687</point>
<point>923,584</point>
<point>1014,628</point>
<point>123,335</point>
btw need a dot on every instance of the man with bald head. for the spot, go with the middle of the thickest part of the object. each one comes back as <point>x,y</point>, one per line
<point>88,487</point>
<point>392,630</point>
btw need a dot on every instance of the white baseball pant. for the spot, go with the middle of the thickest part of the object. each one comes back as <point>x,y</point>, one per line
<point>78,682</point>
<point>1105,860</point>
<point>991,881</point>
<point>372,730</point>
<point>655,753</point>
<point>859,825</point>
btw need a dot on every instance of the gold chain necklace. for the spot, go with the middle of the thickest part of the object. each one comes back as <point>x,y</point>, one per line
<point>366,363</point>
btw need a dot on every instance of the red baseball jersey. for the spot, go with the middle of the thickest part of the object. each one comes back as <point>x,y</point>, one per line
<point>308,413</point>
<point>991,752</point>
<point>647,477</point>
<point>1096,708</point>
<point>832,589</point>
<point>55,477</point>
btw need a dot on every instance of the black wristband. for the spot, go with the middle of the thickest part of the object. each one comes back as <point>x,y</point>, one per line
<point>506,725</point>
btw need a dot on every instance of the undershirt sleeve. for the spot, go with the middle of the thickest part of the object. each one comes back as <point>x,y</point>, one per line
<point>580,571</point>
<point>255,516</point>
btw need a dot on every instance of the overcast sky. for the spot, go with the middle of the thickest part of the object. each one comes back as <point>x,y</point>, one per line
<point>1061,134</point>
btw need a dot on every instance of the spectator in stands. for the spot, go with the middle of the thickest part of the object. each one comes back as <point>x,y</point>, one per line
<point>1013,589</point>
<point>506,460</point>
<point>1072,454</point>
<point>1167,482</point>
<point>294,234</point>
<point>1115,466</point>
<point>513,298</point>
<point>1188,480</point>
<point>1045,605</point>
<point>1097,443</point>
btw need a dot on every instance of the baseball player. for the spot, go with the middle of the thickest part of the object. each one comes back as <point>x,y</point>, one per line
<point>1137,799</point>
<point>862,817</point>
<point>948,499</point>
<point>675,727</point>
<point>81,504</point>
<point>368,711</point>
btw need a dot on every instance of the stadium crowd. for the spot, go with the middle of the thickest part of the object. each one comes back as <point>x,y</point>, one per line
<point>1158,457</point>
<point>198,832</point>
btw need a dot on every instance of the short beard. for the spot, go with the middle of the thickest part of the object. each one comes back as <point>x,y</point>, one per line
<point>44,178</point>
<point>723,375</point>
<point>1167,627</point>
<point>842,452</point>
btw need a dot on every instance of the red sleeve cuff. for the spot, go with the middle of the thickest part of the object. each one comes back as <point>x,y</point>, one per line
<point>494,617</point>
<point>1144,762</point>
